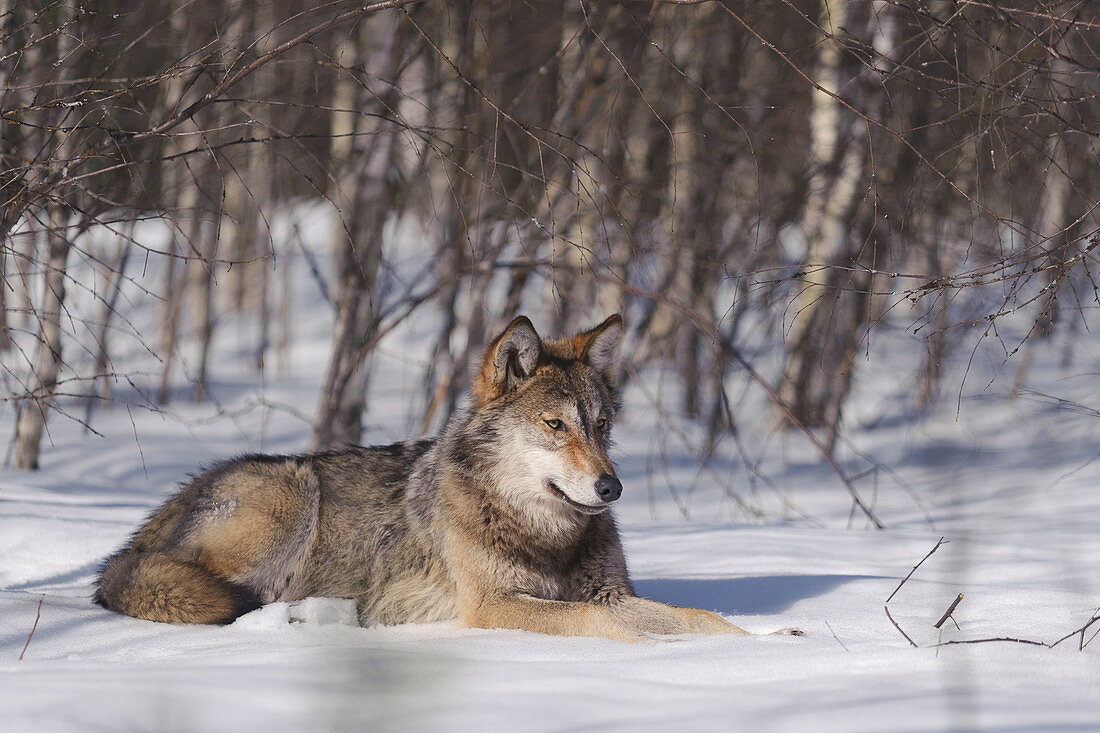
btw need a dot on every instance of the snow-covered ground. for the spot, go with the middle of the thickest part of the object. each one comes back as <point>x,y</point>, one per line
<point>1011,484</point>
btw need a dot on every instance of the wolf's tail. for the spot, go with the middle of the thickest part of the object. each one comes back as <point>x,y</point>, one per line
<point>154,586</point>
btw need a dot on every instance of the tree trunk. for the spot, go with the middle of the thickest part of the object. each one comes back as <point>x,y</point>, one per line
<point>181,260</point>
<point>27,441</point>
<point>831,312</point>
<point>5,327</point>
<point>34,410</point>
<point>12,282</point>
<point>1052,228</point>
<point>202,291</point>
<point>365,195</point>
<point>100,390</point>
<point>263,184</point>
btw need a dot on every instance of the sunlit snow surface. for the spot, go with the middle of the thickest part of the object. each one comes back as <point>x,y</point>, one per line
<point>1012,485</point>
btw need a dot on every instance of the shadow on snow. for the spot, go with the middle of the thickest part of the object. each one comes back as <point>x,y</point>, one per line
<point>762,595</point>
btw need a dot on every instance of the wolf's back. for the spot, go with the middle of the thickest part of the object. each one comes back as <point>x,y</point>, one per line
<point>241,534</point>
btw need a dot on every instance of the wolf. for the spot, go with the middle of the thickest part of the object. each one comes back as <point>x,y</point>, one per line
<point>502,521</point>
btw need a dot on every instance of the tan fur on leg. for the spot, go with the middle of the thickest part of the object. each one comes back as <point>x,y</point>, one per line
<point>560,618</point>
<point>661,618</point>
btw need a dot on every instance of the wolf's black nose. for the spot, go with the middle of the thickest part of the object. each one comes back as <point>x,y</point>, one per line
<point>608,488</point>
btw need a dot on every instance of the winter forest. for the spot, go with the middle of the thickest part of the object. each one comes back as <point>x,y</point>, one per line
<point>853,243</point>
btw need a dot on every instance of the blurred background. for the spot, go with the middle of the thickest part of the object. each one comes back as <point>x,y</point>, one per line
<point>771,193</point>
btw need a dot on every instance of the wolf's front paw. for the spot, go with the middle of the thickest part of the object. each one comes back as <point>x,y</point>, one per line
<point>787,632</point>
<point>699,621</point>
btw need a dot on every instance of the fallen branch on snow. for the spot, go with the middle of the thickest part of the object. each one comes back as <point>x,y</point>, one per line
<point>1080,631</point>
<point>37,616</point>
<point>947,614</point>
<point>1082,643</point>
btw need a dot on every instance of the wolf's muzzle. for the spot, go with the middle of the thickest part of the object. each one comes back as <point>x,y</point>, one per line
<point>608,488</point>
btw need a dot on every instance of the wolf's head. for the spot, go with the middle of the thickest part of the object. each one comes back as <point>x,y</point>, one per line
<point>549,406</point>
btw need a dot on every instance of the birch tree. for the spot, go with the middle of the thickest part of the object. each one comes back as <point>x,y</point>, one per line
<point>48,359</point>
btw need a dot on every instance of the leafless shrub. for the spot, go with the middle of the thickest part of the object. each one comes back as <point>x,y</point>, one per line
<point>818,167</point>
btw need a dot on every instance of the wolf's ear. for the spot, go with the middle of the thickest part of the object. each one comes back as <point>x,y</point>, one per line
<point>600,346</point>
<point>509,360</point>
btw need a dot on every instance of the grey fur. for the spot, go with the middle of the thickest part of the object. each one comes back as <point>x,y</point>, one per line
<point>494,523</point>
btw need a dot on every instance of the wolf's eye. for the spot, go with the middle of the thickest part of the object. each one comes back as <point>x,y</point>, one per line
<point>601,424</point>
<point>554,424</point>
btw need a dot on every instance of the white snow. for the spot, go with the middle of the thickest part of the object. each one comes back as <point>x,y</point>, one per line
<point>1011,484</point>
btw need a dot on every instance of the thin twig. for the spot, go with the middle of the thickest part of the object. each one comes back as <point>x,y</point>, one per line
<point>231,80</point>
<point>941,542</point>
<point>706,326</point>
<point>1031,642</point>
<point>1082,643</point>
<point>838,641</point>
<point>1014,640</point>
<point>885,606</point>
<point>895,623</point>
<point>950,609</point>
<point>37,616</point>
